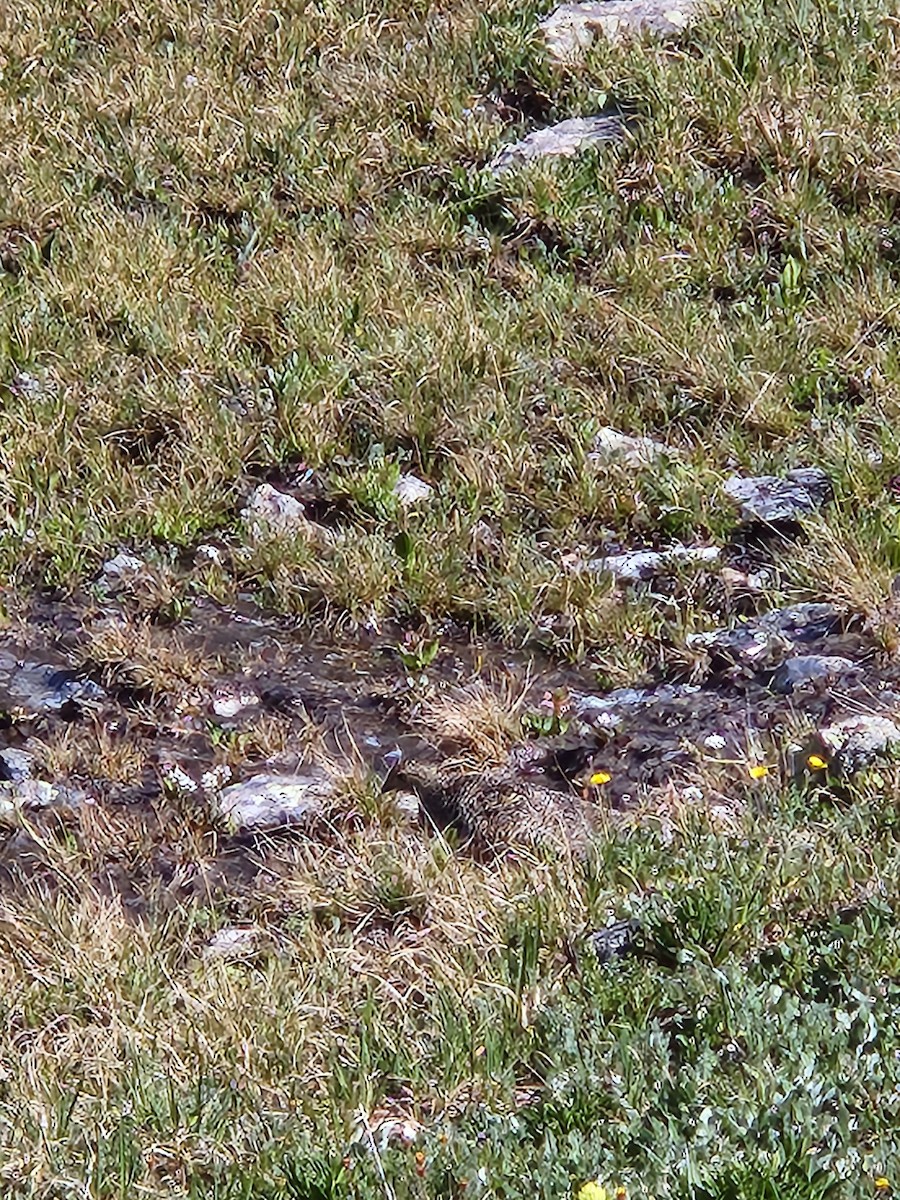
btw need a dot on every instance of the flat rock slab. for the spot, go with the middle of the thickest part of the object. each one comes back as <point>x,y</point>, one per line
<point>33,794</point>
<point>771,499</point>
<point>265,803</point>
<point>762,643</point>
<point>858,741</point>
<point>271,513</point>
<point>43,687</point>
<point>234,943</point>
<point>564,140</point>
<point>807,670</point>
<point>637,565</point>
<point>610,446</point>
<point>409,490</point>
<point>571,28</point>
<point>610,710</point>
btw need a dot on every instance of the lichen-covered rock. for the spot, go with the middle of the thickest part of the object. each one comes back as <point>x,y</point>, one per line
<point>805,669</point>
<point>608,711</point>
<point>762,643</point>
<point>235,943</point>
<point>16,764</point>
<point>409,490</point>
<point>856,742</point>
<point>571,28</point>
<point>271,513</point>
<point>610,446</point>
<point>636,565</point>
<point>265,803</point>
<point>771,499</point>
<point>564,140</point>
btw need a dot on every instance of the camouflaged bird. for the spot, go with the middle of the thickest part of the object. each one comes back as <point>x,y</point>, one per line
<point>493,809</point>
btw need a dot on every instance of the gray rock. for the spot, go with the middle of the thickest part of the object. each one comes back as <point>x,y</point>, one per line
<point>269,802</point>
<point>410,490</point>
<point>41,687</point>
<point>564,140</point>
<point>269,512</point>
<point>571,28</point>
<point>618,940</point>
<point>38,793</point>
<point>763,642</point>
<point>608,712</point>
<point>16,765</point>
<point>612,446</point>
<point>230,699</point>
<point>123,568</point>
<point>770,499</point>
<point>636,565</point>
<point>234,944</point>
<point>856,742</point>
<point>805,669</point>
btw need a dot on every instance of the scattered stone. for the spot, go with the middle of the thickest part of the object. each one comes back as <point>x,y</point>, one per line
<point>769,499</point>
<point>636,565</point>
<point>608,712</point>
<point>615,941</point>
<point>564,140</point>
<point>41,687</point>
<point>570,29</point>
<point>208,555</point>
<point>228,700</point>
<point>856,742</point>
<point>38,793</point>
<point>235,943</point>
<point>612,446</point>
<point>265,803</point>
<point>15,765</point>
<point>410,490</point>
<point>273,513</point>
<point>763,642</point>
<point>122,569</point>
<point>407,807</point>
<point>804,669</point>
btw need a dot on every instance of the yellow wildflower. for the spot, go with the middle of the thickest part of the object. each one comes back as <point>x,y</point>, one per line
<point>597,779</point>
<point>759,771</point>
<point>816,762</point>
<point>882,1184</point>
<point>592,1191</point>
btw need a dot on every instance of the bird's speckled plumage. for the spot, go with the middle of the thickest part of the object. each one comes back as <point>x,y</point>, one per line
<point>494,810</point>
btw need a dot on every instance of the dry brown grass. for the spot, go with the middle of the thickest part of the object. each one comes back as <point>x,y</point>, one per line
<point>135,653</point>
<point>91,751</point>
<point>481,720</point>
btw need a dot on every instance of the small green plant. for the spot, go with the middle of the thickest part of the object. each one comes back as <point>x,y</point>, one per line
<point>315,1178</point>
<point>417,652</point>
<point>551,718</point>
